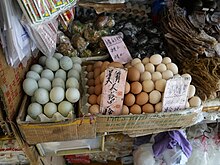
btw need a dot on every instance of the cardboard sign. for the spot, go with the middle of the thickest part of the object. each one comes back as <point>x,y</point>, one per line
<point>175,94</point>
<point>113,91</point>
<point>117,49</point>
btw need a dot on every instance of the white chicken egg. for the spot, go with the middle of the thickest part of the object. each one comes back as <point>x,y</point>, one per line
<point>149,67</point>
<point>146,60</point>
<point>191,91</point>
<point>52,64</point>
<point>173,67</point>
<point>42,60</point>
<point>58,56</point>
<point>48,74</point>
<point>187,75</point>
<point>76,60</point>
<point>187,104</point>
<point>41,95</point>
<point>60,73</point>
<point>154,97</point>
<point>58,82</point>
<point>148,85</point>
<point>77,67</point>
<point>72,83</point>
<point>72,95</point>
<point>57,94</point>
<point>44,83</point>
<point>34,109</point>
<point>66,63</point>
<point>73,73</point>
<point>195,101</point>
<point>156,59</point>
<point>160,85</point>
<point>158,107</point>
<point>135,61</point>
<point>161,68</point>
<point>30,86</point>
<point>33,75</point>
<point>167,74</point>
<point>49,109</point>
<point>145,76</point>
<point>156,76</point>
<point>65,108</point>
<point>37,68</point>
<point>140,67</point>
<point>166,60</point>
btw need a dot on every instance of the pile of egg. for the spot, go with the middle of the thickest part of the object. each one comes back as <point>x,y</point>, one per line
<point>53,85</point>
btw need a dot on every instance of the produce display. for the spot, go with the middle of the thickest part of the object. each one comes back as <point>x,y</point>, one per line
<point>54,87</point>
<point>146,81</point>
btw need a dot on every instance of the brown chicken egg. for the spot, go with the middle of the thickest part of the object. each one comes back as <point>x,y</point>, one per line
<point>98,89</point>
<point>148,108</point>
<point>92,99</point>
<point>127,88</point>
<point>136,87</point>
<point>90,75</point>
<point>133,74</point>
<point>91,82</point>
<point>125,110</point>
<point>91,90</point>
<point>142,98</point>
<point>102,76</point>
<point>97,64</point>
<point>99,99</point>
<point>129,99</point>
<point>135,109</point>
<point>97,72</point>
<point>89,68</point>
<point>94,109</point>
<point>97,80</point>
<point>116,65</point>
<point>104,66</point>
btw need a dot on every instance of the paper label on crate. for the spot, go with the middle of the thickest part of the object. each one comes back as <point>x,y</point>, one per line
<point>113,91</point>
<point>117,49</point>
<point>175,94</point>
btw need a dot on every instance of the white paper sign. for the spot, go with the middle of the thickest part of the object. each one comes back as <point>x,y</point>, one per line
<point>117,49</point>
<point>175,94</point>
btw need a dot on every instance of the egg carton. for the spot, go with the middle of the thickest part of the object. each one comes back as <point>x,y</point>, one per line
<point>57,117</point>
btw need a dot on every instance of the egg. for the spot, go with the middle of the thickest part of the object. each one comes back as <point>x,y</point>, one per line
<point>46,73</point>
<point>166,60</point>
<point>92,99</point>
<point>97,64</point>
<point>49,109</point>
<point>52,64</point>
<point>128,65</point>
<point>97,80</point>
<point>34,109</point>
<point>135,61</point>
<point>160,85</point>
<point>44,83</point>
<point>72,83</point>
<point>133,74</point>
<point>94,109</point>
<point>129,99</point>
<point>58,82</point>
<point>148,108</point>
<point>116,65</point>
<point>90,75</point>
<point>154,97</point>
<point>97,72</point>
<point>125,110</point>
<point>37,68</point>
<point>42,60</point>
<point>41,95</point>
<point>156,76</point>
<point>145,76</point>
<point>65,108</point>
<point>77,67</point>
<point>142,98</point>
<point>57,94</point>
<point>161,68</point>
<point>136,87</point>
<point>127,88</point>
<point>191,91</point>
<point>195,101</point>
<point>149,67</point>
<point>102,77</point>
<point>167,74</point>
<point>148,85</point>
<point>140,67</point>
<point>173,67</point>
<point>91,90</point>
<point>99,99</point>
<point>156,59</point>
<point>146,60</point>
<point>72,95</point>
<point>73,73</point>
<point>33,75</point>
<point>66,63</point>
<point>187,104</point>
<point>30,86</point>
<point>98,89</point>
<point>158,107</point>
<point>135,109</point>
<point>60,73</point>
<point>58,56</point>
<point>76,60</point>
<point>187,75</point>
<point>91,82</point>
<point>177,75</point>
<point>89,68</point>
<point>104,66</point>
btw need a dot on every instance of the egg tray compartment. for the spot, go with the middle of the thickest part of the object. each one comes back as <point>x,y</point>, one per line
<point>40,132</point>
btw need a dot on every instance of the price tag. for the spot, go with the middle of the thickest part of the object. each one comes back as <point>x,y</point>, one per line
<point>117,49</point>
<point>113,91</point>
<point>175,94</point>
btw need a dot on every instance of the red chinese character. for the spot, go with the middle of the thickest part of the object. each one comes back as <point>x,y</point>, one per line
<point>119,93</point>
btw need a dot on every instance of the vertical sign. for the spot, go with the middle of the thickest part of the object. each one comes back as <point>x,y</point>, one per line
<point>117,49</point>
<point>113,91</point>
<point>175,94</point>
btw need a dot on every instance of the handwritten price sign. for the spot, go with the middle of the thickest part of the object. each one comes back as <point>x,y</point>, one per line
<point>117,49</point>
<point>175,94</point>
